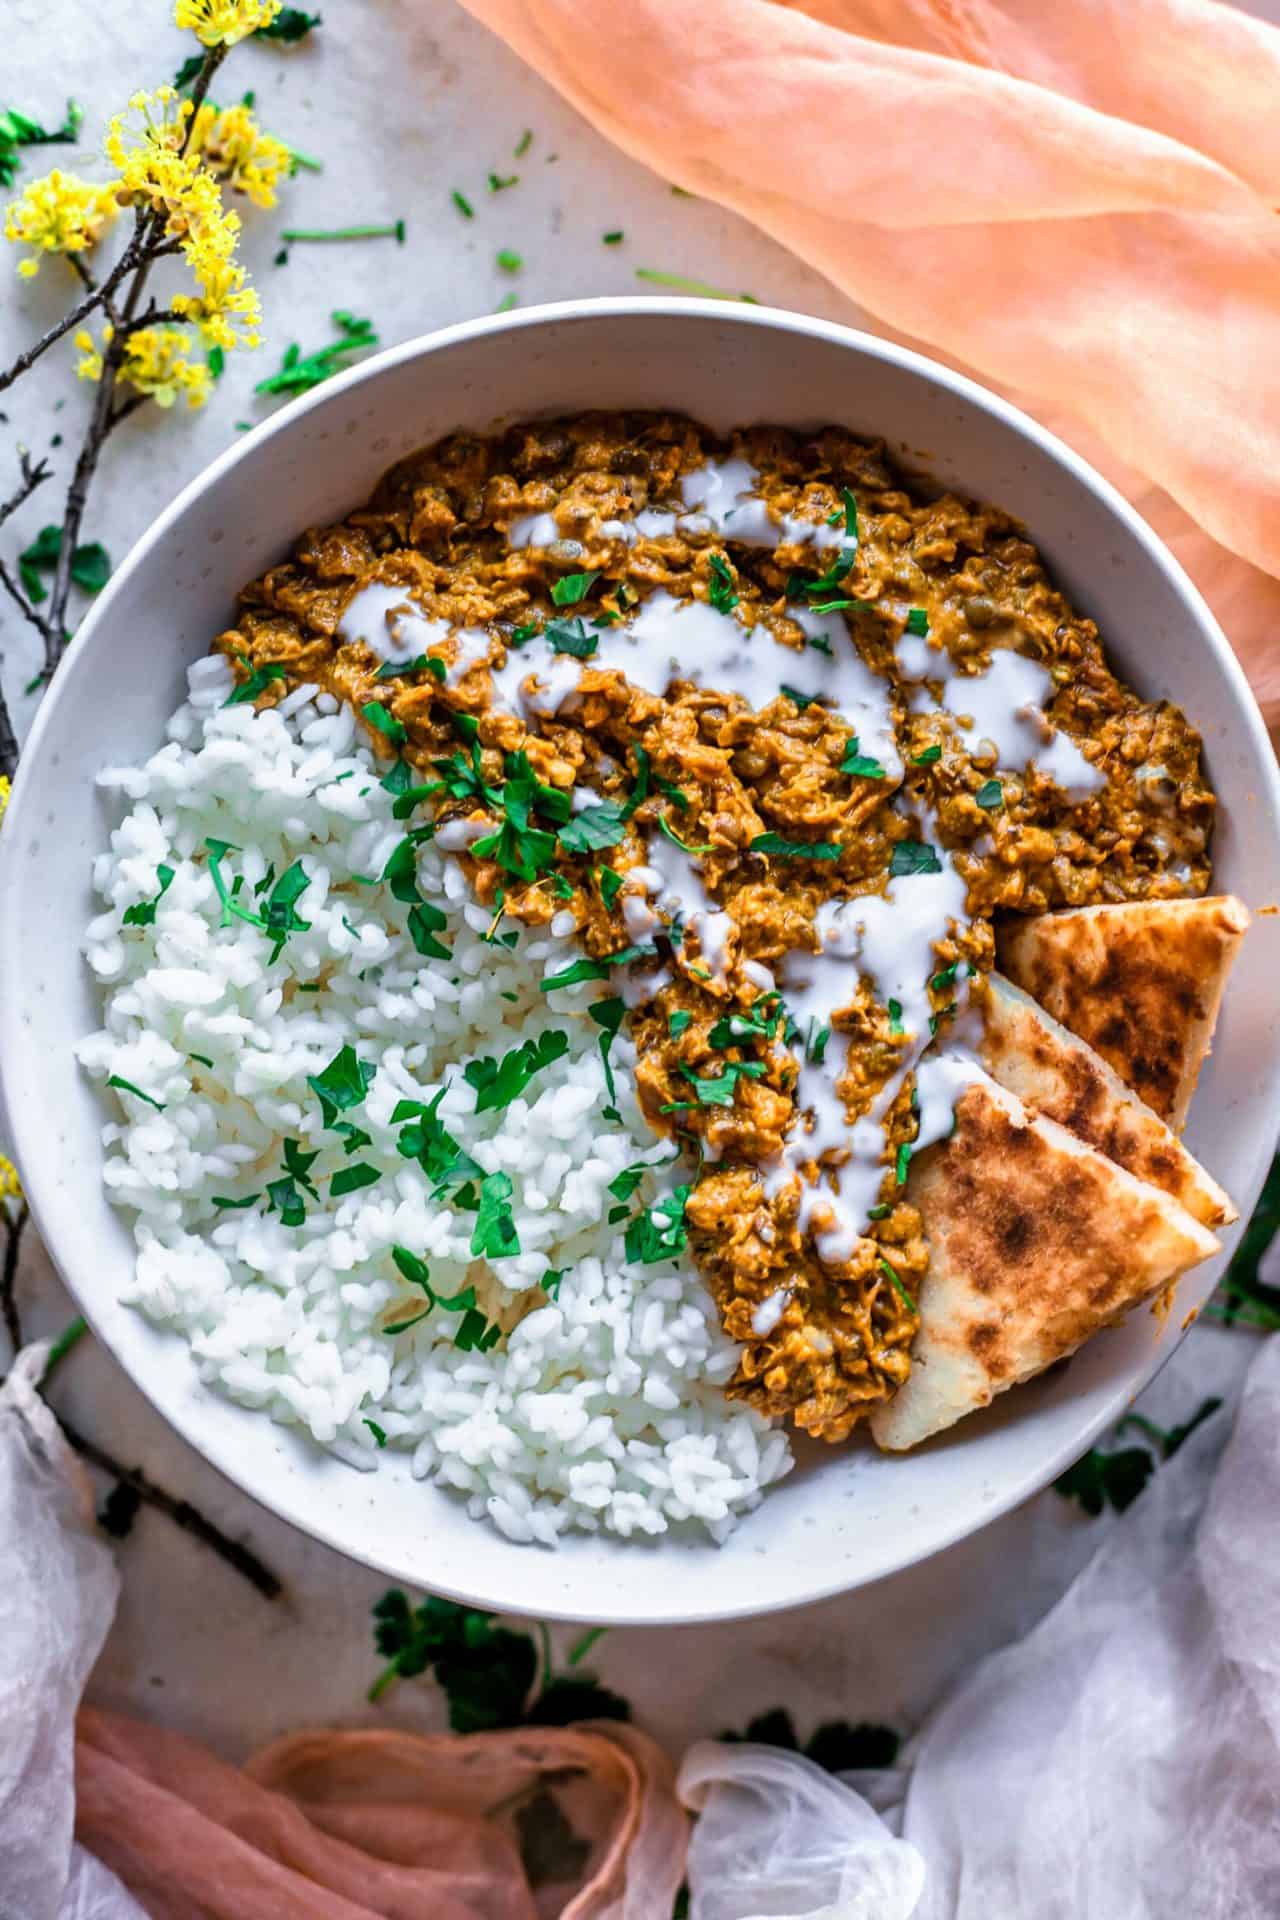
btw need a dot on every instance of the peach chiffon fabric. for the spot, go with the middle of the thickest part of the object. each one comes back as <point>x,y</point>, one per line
<point>348,1826</point>
<point>1074,198</point>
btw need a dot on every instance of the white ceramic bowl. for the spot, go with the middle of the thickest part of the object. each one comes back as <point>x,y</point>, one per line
<point>845,1516</point>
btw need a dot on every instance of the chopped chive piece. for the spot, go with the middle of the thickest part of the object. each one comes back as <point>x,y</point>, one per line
<point>463,205</point>
<point>898,1287</point>
<point>682,284</point>
<point>523,144</point>
<point>613,239</point>
<point>300,372</point>
<point>508,260</point>
<point>498,182</point>
<point>896,1027</point>
<point>507,303</point>
<point>902,1160</point>
<point>665,827</point>
<point>395,231</point>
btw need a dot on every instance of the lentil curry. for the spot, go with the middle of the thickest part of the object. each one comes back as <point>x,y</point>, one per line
<point>784,730</point>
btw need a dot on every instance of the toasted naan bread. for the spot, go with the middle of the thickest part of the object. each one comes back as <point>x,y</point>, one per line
<point>1055,1073</point>
<point>1035,1242</point>
<point>1141,982</point>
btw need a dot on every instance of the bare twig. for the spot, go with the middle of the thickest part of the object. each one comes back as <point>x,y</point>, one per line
<point>9,1275</point>
<point>8,740</point>
<point>33,473</point>
<point>83,308</point>
<point>181,1512</point>
<point>22,603</point>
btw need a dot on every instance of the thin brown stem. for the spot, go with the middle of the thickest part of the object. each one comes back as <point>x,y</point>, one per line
<point>84,274</point>
<point>181,1512</point>
<point>21,602</point>
<point>33,474</point>
<point>8,740</point>
<point>55,638</point>
<point>9,1275</point>
<point>83,308</point>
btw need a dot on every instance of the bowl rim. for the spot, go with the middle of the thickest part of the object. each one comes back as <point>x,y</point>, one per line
<point>812,1584</point>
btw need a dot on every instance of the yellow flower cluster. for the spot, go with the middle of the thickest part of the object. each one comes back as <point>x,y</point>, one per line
<point>220,23</point>
<point>156,168</point>
<point>234,147</point>
<point>10,1185</point>
<point>58,214</point>
<point>6,788</point>
<point>156,361</point>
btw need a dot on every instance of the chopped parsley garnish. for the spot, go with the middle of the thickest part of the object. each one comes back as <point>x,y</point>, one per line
<point>781,848</point>
<point>421,663</point>
<point>610,884</point>
<point>850,505</point>
<point>497,1082</point>
<point>401,871</point>
<point>127,1086</point>
<point>665,827</point>
<point>902,1160</point>
<point>234,1206</point>
<point>144,913</point>
<point>658,1232</point>
<point>379,1433</point>
<point>990,795</point>
<point>279,917</point>
<point>463,205</point>
<point>613,239</point>
<point>608,1015</point>
<point>860,765</point>
<point>721,592</point>
<point>397,779</point>
<point>260,678</point>
<point>914,856</point>
<point>574,587</point>
<point>523,144</point>
<point>342,1084</point>
<point>891,1275</point>
<point>717,1090</point>
<point>499,182</point>
<point>928,757</point>
<point>424,923</point>
<point>427,1140</point>
<point>550,1282</point>
<point>802,700</point>
<point>571,975</point>
<point>351,1179</point>
<point>603,824</point>
<point>385,722</point>
<point>571,636</point>
<point>508,260</point>
<point>624,1184</point>
<point>918,621</point>
<point>90,565</point>
<point>299,372</point>
<point>944,977</point>
<point>518,846</point>
<point>283,1195</point>
<point>495,1236</point>
<point>896,1027</point>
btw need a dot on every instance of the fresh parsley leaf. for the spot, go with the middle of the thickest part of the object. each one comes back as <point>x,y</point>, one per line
<point>221,1201</point>
<point>497,1082</point>
<point>259,679</point>
<point>913,856</point>
<point>573,587</point>
<point>570,976</point>
<point>424,923</point>
<point>144,913</point>
<point>721,589</point>
<point>624,1184</point>
<point>427,1140</point>
<point>781,848</point>
<point>610,884</point>
<point>568,1697</point>
<point>379,1433</point>
<point>918,622</point>
<point>486,1672</point>
<point>802,700</point>
<point>601,825</point>
<point>495,1236</point>
<point>608,1015</point>
<point>990,795</point>
<point>397,779</point>
<point>342,1084</point>
<point>127,1086</point>
<point>351,1179</point>
<point>290,25</point>
<point>385,722</point>
<point>1101,1479</point>
<point>401,871</point>
<point>421,663</point>
<point>658,1232</point>
<point>571,636</point>
<point>717,1090</point>
<point>860,765</point>
<point>678,1021</point>
<point>928,757</point>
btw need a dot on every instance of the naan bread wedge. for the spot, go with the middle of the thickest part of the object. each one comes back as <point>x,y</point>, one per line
<point>1141,982</point>
<point>1035,1242</point>
<point>1054,1072</point>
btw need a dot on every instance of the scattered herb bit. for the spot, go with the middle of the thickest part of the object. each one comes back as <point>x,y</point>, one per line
<point>507,304</point>
<point>891,1275</point>
<point>499,182</point>
<point>379,1433</point>
<point>523,144</point>
<point>425,922</point>
<point>299,373</point>
<point>658,1232</point>
<point>463,205</point>
<point>608,1016</point>
<point>600,825</point>
<point>717,1090</point>
<point>397,779</point>
<point>290,25</point>
<point>665,827</point>
<point>780,848</point>
<point>860,765</point>
<point>144,913</point>
<point>610,885</point>
<point>896,1027</point>
<point>721,593</point>
<point>573,587</point>
<point>918,621</point>
<point>203,1058</point>
<point>497,1082</point>
<point>342,1084</point>
<point>613,239</point>
<point>394,231</point>
<point>570,976</point>
<point>260,678</point>
<point>802,700</point>
<point>127,1086</point>
<point>678,1022</point>
<point>928,757</point>
<point>680,283</point>
<point>902,1160</point>
<point>90,564</point>
<point>401,872</point>
<point>508,260</point>
<point>944,977</point>
<point>495,1236</point>
<point>427,1140</point>
<point>914,856</point>
<point>385,721</point>
<point>422,663</point>
<point>624,1184</point>
<point>550,1282</point>
<point>571,636</point>
<point>351,1179</point>
<point>279,917</point>
<point>990,795</point>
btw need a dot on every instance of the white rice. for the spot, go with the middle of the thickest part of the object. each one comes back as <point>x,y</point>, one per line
<point>601,1408</point>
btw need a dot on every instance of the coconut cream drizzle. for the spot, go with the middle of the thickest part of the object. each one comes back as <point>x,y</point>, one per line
<point>719,497</point>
